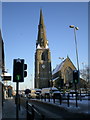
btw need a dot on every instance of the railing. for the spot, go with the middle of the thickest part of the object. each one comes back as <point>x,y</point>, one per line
<point>33,113</point>
<point>70,96</point>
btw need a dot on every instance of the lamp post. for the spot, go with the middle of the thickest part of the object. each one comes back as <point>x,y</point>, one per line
<point>75,28</point>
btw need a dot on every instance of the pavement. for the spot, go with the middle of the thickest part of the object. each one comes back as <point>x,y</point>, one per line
<point>9,110</point>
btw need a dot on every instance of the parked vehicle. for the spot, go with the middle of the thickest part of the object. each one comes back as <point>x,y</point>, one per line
<point>55,92</point>
<point>52,91</point>
<point>35,93</point>
<point>45,92</point>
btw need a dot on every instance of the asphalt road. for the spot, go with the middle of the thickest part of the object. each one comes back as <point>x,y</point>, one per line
<point>53,112</point>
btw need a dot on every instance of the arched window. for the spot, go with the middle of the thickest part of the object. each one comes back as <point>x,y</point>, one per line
<point>68,74</point>
<point>43,57</point>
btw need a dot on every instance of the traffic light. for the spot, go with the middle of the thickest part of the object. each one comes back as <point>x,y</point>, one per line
<point>75,76</point>
<point>18,70</point>
<point>25,68</point>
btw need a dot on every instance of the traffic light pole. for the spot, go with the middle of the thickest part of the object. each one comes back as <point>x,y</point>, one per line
<point>76,94</point>
<point>17,100</point>
<point>18,76</point>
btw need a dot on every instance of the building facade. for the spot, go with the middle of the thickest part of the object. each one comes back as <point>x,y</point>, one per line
<point>1,72</point>
<point>62,75</point>
<point>42,57</point>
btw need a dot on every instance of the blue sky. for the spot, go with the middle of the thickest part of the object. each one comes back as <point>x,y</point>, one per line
<point>20,28</point>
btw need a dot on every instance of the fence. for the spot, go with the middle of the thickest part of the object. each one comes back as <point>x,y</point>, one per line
<point>32,112</point>
<point>61,97</point>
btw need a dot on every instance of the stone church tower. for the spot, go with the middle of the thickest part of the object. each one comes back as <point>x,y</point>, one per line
<point>42,57</point>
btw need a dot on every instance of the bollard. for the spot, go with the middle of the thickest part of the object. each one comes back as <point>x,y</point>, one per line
<point>76,99</point>
<point>68,99</point>
<point>60,99</point>
<point>41,97</point>
<point>32,111</point>
<point>72,94</point>
<point>19,102</point>
<point>27,110</point>
<point>54,98</point>
<point>49,98</point>
<point>45,97</point>
<point>43,117</point>
<point>80,96</point>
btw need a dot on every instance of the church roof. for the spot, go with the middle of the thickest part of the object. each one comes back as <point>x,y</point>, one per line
<point>59,67</point>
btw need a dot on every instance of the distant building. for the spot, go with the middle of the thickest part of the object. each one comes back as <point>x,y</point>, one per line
<point>63,73</point>
<point>8,91</point>
<point>2,64</point>
<point>42,57</point>
<point>1,72</point>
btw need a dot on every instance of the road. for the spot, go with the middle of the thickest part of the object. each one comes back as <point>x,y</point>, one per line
<point>53,112</point>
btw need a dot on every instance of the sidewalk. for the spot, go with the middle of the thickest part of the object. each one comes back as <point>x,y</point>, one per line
<point>9,110</point>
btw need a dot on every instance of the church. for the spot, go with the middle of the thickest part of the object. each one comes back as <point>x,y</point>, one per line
<point>43,70</point>
<point>62,75</point>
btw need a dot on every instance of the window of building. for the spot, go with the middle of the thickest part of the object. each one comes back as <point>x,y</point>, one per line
<point>43,57</point>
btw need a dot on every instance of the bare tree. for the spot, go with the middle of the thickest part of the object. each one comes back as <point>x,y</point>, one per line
<point>85,74</point>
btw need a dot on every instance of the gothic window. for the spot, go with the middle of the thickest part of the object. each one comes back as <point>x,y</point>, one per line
<point>43,57</point>
<point>68,74</point>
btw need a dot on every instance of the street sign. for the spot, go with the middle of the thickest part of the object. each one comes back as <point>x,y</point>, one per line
<point>6,78</point>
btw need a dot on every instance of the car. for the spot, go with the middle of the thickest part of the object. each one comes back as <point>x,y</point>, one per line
<point>50,92</point>
<point>56,94</point>
<point>35,93</point>
<point>45,92</point>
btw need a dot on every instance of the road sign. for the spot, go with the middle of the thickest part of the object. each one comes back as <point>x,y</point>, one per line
<point>6,78</point>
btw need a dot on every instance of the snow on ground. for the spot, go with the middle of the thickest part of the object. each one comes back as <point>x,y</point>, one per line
<point>83,105</point>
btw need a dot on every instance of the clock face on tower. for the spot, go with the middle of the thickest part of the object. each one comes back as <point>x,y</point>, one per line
<point>43,66</point>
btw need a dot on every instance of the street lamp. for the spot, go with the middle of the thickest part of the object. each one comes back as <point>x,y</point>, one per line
<point>62,58</point>
<point>75,28</point>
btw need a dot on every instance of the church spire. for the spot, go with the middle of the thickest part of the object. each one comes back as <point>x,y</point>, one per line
<point>41,41</point>
<point>41,22</point>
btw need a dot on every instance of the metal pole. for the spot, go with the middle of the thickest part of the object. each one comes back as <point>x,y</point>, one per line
<point>77,55</point>
<point>68,97</point>
<point>17,110</point>
<point>76,95</point>
<point>76,49</point>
